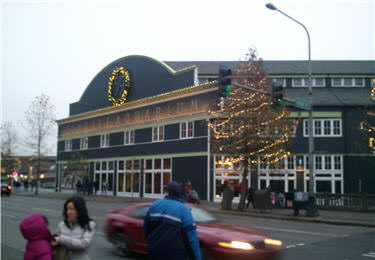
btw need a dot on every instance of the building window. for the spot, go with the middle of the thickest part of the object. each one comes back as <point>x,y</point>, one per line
<point>129,137</point>
<point>290,162</point>
<point>327,162</point>
<point>319,82</point>
<point>157,133</point>
<point>337,127</point>
<point>104,140</point>
<point>186,130</point>
<point>318,162</point>
<point>348,82</point>
<point>327,127</point>
<point>279,82</point>
<point>304,82</point>
<point>83,143</point>
<point>358,82</point>
<point>323,127</point>
<point>68,145</point>
<point>337,162</point>
<point>317,127</point>
<point>336,82</point>
<point>297,82</point>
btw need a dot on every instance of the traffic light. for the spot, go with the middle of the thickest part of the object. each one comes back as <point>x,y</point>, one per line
<point>277,96</point>
<point>224,81</point>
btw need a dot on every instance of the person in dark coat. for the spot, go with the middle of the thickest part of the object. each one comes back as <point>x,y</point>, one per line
<point>34,228</point>
<point>250,197</point>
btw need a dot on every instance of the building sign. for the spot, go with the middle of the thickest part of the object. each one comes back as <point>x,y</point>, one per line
<point>118,86</point>
<point>185,107</point>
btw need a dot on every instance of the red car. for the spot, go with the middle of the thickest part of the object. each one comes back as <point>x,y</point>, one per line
<point>218,240</point>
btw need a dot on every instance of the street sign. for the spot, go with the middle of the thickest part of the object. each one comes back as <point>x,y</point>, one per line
<point>302,104</point>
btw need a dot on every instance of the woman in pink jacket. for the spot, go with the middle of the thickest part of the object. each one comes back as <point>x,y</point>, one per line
<point>34,228</point>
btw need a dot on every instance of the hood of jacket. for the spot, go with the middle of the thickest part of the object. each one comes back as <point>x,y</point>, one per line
<point>35,228</point>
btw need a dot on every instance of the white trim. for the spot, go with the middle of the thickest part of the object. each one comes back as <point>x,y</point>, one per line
<point>165,216</point>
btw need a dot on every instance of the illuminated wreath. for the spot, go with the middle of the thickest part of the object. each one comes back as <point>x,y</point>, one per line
<point>373,93</point>
<point>123,86</point>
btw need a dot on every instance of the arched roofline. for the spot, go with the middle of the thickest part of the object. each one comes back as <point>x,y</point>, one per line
<point>163,64</point>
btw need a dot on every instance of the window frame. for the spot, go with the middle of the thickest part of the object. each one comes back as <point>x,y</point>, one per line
<point>68,144</point>
<point>185,131</point>
<point>334,131</point>
<point>158,133</point>
<point>129,137</point>
<point>84,143</point>
<point>104,140</point>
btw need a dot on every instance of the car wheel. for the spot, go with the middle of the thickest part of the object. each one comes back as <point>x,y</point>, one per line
<point>121,242</point>
<point>205,254</point>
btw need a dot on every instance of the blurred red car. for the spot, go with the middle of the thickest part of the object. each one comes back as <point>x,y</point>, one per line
<point>218,240</point>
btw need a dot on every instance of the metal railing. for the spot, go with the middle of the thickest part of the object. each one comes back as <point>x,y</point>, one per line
<point>356,202</point>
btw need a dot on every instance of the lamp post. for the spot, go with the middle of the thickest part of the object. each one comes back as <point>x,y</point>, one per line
<point>312,210</point>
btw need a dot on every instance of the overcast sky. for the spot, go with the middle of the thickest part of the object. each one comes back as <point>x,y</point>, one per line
<point>57,47</point>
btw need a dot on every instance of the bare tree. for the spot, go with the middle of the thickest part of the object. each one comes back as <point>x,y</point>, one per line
<point>247,126</point>
<point>9,143</point>
<point>40,125</point>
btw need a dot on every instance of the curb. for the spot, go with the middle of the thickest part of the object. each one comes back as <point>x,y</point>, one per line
<point>292,218</point>
<point>100,198</point>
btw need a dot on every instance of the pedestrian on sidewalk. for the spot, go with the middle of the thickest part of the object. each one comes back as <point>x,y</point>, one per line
<point>35,230</point>
<point>250,197</point>
<point>170,229</point>
<point>77,229</point>
<point>104,188</point>
<point>96,186</point>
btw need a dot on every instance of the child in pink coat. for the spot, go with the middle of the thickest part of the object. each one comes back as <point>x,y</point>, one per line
<point>35,230</point>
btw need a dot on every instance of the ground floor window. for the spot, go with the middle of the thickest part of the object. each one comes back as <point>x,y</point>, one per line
<point>282,178</point>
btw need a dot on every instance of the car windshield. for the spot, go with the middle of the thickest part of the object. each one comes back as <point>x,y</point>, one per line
<point>201,216</point>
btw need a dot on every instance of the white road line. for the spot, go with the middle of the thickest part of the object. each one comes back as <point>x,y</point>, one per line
<point>97,218</point>
<point>370,254</point>
<point>295,245</point>
<point>298,231</point>
<point>47,210</point>
<point>9,216</point>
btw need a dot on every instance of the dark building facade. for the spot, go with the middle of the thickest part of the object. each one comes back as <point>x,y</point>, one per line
<point>142,123</point>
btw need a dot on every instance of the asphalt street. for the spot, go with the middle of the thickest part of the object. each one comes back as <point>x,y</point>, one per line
<point>301,240</point>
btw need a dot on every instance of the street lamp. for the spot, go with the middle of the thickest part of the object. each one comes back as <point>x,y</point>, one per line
<point>312,210</point>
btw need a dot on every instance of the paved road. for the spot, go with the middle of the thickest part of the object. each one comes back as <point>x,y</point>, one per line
<point>301,240</point>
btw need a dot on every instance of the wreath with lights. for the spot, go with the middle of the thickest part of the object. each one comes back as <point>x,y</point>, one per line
<point>372,94</point>
<point>125,73</point>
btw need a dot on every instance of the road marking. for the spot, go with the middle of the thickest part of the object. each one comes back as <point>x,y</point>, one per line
<point>48,210</point>
<point>100,233</point>
<point>9,216</point>
<point>294,245</point>
<point>98,218</point>
<point>370,254</point>
<point>298,231</point>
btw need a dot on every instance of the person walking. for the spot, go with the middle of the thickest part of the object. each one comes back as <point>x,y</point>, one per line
<point>77,229</point>
<point>104,188</point>
<point>170,228</point>
<point>96,186</point>
<point>35,230</point>
<point>250,197</point>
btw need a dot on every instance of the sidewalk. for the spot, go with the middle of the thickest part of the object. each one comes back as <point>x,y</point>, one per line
<point>335,217</point>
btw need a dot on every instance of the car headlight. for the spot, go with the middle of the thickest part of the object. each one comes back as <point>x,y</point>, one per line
<point>237,245</point>
<point>273,242</point>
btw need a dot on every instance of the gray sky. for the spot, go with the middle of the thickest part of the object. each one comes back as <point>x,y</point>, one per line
<point>57,47</point>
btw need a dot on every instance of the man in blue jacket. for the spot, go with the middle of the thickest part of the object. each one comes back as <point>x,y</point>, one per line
<point>170,229</point>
